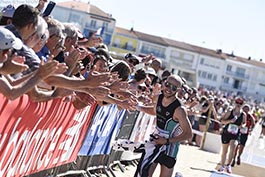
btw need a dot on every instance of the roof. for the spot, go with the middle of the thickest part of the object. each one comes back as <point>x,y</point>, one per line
<point>248,61</point>
<point>149,38</point>
<point>181,45</point>
<point>186,46</point>
<point>209,52</point>
<point>84,7</point>
<point>125,32</point>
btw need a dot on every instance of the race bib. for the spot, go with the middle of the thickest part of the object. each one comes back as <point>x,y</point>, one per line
<point>233,129</point>
<point>160,132</point>
<point>244,130</point>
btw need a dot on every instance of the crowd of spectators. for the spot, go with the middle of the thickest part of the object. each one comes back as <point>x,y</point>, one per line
<point>47,59</point>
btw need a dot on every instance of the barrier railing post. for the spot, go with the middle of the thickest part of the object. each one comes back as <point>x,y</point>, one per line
<point>206,127</point>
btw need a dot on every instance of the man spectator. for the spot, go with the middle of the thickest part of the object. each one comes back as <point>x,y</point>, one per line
<point>24,25</point>
<point>9,41</point>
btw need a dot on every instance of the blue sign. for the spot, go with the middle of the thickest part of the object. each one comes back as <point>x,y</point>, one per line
<point>104,128</point>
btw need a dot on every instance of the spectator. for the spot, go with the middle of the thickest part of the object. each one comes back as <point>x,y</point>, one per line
<point>55,42</point>
<point>7,15</point>
<point>138,80</point>
<point>24,25</point>
<point>8,41</point>
<point>132,60</point>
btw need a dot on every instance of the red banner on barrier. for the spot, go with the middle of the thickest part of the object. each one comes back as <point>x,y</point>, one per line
<point>39,136</point>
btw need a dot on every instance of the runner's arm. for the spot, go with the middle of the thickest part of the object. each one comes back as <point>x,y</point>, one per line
<point>180,115</point>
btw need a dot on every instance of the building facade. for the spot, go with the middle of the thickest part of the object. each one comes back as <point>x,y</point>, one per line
<point>88,18</point>
<point>209,68</point>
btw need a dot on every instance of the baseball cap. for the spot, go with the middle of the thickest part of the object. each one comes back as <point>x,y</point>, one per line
<point>151,71</point>
<point>8,40</point>
<point>8,11</point>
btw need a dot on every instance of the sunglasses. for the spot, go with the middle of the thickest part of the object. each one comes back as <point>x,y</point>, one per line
<point>172,87</point>
<point>239,103</point>
<point>134,62</point>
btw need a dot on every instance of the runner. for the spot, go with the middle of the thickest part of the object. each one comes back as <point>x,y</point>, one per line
<point>173,125</point>
<point>262,122</point>
<point>233,119</point>
<point>244,132</point>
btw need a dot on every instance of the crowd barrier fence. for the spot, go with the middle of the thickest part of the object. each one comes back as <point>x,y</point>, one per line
<point>36,136</point>
<point>53,138</point>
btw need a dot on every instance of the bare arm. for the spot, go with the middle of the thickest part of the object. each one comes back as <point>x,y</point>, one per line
<point>13,92</point>
<point>225,117</point>
<point>74,83</point>
<point>149,109</point>
<point>180,115</point>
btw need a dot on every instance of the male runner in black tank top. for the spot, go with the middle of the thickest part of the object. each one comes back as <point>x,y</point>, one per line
<point>171,118</point>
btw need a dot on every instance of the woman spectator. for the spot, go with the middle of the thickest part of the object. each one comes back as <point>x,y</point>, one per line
<point>207,110</point>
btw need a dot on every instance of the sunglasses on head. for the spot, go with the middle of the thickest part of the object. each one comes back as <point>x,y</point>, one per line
<point>172,87</point>
<point>134,62</point>
<point>239,103</point>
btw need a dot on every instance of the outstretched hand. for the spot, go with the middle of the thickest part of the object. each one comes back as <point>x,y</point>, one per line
<point>13,64</point>
<point>47,69</point>
<point>96,79</point>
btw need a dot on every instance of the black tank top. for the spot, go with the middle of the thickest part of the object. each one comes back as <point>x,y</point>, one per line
<point>163,114</point>
<point>238,121</point>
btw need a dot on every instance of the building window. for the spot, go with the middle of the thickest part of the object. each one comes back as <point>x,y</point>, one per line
<point>229,68</point>
<point>240,71</point>
<point>73,17</point>
<point>107,39</point>
<point>204,74</point>
<point>175,54</point>
<point>214,77</point>
<point>202,61</point>
<point>129,45</point>
<point>209,76</point>
<point>117,42</point>
<point>105,25</point>
<point>226,80</point>
<point>157,51</point>
<point>188,57</point>
<point>93,23</point>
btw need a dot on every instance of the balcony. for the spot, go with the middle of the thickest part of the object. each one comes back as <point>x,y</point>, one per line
<point>237,75</point>
<point>155,53</point>
<point>231,87</point>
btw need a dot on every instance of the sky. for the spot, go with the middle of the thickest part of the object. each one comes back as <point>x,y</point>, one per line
<point>230,25</point>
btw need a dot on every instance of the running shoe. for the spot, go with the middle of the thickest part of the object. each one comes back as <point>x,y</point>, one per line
<point>233,163</point>
<point>221,169</point>
<point>238,161</point>
<point>228,169</point>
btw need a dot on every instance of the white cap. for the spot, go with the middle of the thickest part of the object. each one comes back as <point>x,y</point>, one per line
<point>150,71</point>
<point>8,11</point>
<point>9,40</point>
